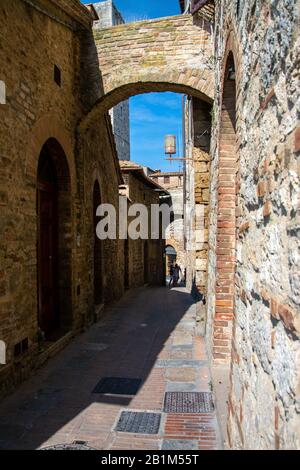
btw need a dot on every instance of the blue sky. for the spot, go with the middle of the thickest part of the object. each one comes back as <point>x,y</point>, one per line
<point>145,9</point>
<point>152,116</point>
<point>155,114</point>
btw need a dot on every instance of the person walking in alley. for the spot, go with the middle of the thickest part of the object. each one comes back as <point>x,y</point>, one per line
<point>171,274</point>
<point>175,276</point>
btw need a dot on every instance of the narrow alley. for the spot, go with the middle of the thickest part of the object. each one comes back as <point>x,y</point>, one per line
<point>149,225</point>
<point>148,336</point>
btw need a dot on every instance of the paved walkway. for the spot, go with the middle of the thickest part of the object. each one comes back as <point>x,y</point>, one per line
<point>148,335</point>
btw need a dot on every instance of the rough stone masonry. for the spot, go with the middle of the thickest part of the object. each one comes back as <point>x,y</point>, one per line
<point>48,91</point>
<point>254,260</point>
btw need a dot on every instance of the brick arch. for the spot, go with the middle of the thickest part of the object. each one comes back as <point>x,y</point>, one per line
<point>174,243</point>
<point>169,54</point>
<point>227,204</point>
<point>178,247</point>
<point>133,88</point>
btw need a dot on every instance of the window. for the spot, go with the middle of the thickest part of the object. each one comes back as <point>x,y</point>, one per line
<point>57,75</point>
<point>126,179</point>
<point>21,347</point>
<point>166,179</point>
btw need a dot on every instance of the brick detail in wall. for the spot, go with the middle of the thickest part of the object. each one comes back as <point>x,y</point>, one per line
<point>226,225</point>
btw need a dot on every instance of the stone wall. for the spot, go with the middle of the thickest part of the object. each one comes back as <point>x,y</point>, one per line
<point>108,15</point>
<point>38,108</point>
<point>175,231</point>
<point>201,162</point>
<point>138,52</point>
<point>168,180</point>
<point>254,223</point>
<point>104,12</point>
<point>121,127</point>
<point>198,133</point>
<point>145,257</point>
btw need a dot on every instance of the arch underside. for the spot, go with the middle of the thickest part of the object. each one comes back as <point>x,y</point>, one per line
<point>123,92</point>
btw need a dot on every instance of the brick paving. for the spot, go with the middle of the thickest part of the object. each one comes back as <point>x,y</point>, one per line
<point>148,335</point>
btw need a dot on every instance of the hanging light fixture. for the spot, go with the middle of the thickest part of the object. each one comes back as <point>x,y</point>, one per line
<point>170,145</point>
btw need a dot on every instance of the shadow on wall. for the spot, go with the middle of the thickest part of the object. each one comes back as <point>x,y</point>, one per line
<point>125,343</point>
<point>198,296</point>
<point>91,82</point>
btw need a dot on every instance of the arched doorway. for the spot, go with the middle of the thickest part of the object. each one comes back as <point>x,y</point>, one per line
<point>54,242</point>
<point>98,285</point>
<point>171,257</point>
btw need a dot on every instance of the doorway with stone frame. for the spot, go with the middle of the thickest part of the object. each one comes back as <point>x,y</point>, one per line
<point>53,242</point>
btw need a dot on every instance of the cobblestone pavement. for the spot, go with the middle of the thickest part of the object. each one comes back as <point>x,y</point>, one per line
<point>148,335</point>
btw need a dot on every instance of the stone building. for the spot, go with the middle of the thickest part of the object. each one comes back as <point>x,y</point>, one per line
<point>52,177</point>
<point>143,257</point>
<point>173,183</point>
<point>110,16</point>
<point>252,276</point>
<point>197,118</point>
<point>168,179</point>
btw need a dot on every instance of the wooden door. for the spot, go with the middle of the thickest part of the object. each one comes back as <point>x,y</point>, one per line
<point>47,258</point>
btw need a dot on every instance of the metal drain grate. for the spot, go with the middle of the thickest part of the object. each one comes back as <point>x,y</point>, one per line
<point>188,402</point>
<point>139,422</point>
<point>117,386</point>
<point>73,446</point>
